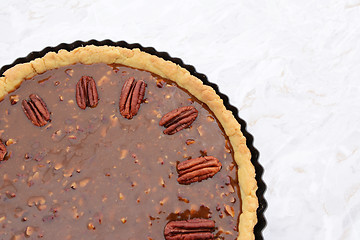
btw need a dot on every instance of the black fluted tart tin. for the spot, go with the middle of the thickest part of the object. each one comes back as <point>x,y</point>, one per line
<point>249,138</point>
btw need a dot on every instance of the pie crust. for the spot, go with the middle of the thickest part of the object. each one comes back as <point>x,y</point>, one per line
<point>135,58</point>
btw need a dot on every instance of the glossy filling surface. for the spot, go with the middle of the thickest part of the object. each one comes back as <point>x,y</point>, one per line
<point>93,174</point>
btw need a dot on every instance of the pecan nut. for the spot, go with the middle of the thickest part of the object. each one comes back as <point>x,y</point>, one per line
<point>36,111</point>
<point>132,95</point>
<point>192,229</point>
<point>3,151</point>
<point>86,92</point>
<point>197,169</point>
<point>178,119</point>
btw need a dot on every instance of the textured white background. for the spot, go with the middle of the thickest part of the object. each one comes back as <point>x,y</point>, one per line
<point>292,68</point>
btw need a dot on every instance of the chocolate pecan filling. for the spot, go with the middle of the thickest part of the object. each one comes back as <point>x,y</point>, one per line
<point>98,175</point>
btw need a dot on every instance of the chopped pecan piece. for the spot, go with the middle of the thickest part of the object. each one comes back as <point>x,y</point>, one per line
<point>178,119</point>
<point>193,229</point>
<point>132,94</point>
<point>86,92</point>
<point>36,111</point>
<point>14,99</point>
<point>197,169</point>
<point>3,151</point>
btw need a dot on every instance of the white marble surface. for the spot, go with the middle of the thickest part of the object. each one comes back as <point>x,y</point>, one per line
<point>291,67</point>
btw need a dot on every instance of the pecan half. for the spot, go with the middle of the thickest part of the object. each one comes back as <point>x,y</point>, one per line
<point>178,119</point>
<point>132,94</point>
<point>86,92</point>
<point>193,229</point>
<point>36,111</point>
<point>3,151</point>
<point>197,169</point>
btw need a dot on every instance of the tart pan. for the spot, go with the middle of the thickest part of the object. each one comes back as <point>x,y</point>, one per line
<point>249,138</point>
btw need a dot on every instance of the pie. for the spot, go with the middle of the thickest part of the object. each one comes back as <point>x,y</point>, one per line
<point>113,143</point>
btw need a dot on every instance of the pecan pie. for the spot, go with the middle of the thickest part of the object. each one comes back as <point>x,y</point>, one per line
<point>112,143</point>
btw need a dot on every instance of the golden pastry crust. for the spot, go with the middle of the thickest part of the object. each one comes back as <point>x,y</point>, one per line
<point>135,58</point>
